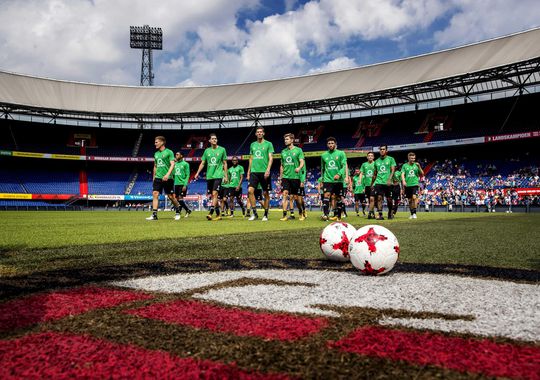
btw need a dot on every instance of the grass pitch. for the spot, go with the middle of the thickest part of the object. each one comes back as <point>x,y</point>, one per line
<point>35,242</point>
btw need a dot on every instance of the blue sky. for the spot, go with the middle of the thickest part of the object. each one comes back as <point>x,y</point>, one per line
<point>209,42</point>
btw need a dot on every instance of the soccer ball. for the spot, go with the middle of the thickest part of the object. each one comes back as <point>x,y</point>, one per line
<point>334,241</point>
<point>374,250</point>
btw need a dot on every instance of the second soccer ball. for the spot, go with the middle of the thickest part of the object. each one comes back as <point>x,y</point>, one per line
<point>374,249</point>
<point>334,241</point>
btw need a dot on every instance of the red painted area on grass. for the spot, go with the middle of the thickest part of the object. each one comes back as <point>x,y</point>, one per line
<point>422,348</point>
<point>238,322</point>
<point>371,238</point>
<point>66,356</point>
<point>343,245</point>
<point>50,306</point>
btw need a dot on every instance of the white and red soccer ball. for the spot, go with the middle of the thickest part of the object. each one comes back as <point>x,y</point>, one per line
<point>373,250</point>
<point>334,241</point>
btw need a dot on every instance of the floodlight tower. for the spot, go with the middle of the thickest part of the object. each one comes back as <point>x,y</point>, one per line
<point>147,39</point>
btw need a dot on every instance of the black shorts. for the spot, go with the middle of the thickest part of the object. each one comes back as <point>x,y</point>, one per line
<point>223,192</point>
<point>256,179</point>
<point>410,191</point>
<point>396,192</point>
<point>334,188</point>
<point>368,192</point>
<point>213,185</point>
<point>258,194</point>
<point>361,197</point>
<point>290,185</point>
<point>166,186</point>
<point>233,193</point>
<point>178,190</point>
<point>382,190</point>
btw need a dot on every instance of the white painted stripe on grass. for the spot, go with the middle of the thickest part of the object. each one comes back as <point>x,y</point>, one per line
<point>498,308</point>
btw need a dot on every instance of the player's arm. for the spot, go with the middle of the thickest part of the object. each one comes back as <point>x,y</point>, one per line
<point>201,166</point>
<point>249,167</point>
<point>281,168</point>
<point>154,172</point>
<point>403,182</point>
<point>270,161</point>
<point>225,172</point>
<point>421,171</point>
<point>171,168</point>
<point>390,178</point>
<point>322,168</point>
<point>186,176</point>
<point>240,181</point>
<point>374,177</point>
<point>297,170</point>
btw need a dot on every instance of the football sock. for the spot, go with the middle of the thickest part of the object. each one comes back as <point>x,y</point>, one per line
<point>183,205</point>
<point>254,210</point>
<point>211,212</point>
<point>154,212</point>
<point>284,213</point>
<point>292,213</point>
<point>266,212</point>
<point>413,211</point>
<point>326,206</point>
<point>218,211</point>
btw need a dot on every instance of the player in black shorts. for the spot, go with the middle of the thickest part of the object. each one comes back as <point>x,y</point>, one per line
<point>162,174</point>
<point>396,191</point>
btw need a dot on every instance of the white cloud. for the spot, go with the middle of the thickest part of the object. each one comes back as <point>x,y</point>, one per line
<point>483,19</point>
<point>340,63</point>
<point>205,42</point>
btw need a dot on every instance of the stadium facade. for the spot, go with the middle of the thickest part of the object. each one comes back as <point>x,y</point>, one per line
<point>484,93</point>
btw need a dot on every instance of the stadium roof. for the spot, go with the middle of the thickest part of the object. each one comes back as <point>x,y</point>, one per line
<point>503,63</point>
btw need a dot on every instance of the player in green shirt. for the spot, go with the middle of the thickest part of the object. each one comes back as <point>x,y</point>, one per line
<point>292,162</point>
<point>340,205</point>
<point>302,192</point>
<point>333,172</point>
<point>216,172</point>
<point>396,191</point>
<point>162,180</point>
<point>260,162</point>
<point>385,166</point>
<point>181,180</point>
<point>236,176</point>
<point>359,190</point>
<point>366,177</point>
<point>410,178</point>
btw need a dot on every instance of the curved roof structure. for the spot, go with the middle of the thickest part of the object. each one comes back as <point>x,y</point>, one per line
<point>504,60</point>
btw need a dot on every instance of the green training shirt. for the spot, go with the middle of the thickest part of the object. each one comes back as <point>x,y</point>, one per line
<point>333,163</point>
<point>181,173</point>
<point>234,175</point>
<point>412,174</point>
<point>260,153</point>
<point>359,187</point>
<point>384,168</point>
<point>367,170</point>
<point>290,160</point>
<point>303,173</point>
<point>214,160</point>
<point>397,177</point>
<point>162,161</point>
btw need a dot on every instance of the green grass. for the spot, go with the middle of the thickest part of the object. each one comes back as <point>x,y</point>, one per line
<point>42,241</point>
